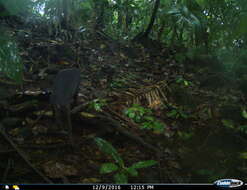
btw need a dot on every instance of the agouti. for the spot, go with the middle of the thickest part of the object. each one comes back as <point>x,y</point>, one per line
<point>64,90</point>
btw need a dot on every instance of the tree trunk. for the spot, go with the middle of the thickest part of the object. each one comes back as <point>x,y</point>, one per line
<point>145,34</point>
<point>99,11</point>
<point>65,8</point>
<point>151,23</point>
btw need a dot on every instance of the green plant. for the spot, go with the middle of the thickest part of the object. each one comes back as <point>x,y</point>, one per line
<point>10,62</point>
<point>97,104</point>
<point>243,128</point>
<point>177,113</point>
<point>243,155</point>
<point>231,125</point>
<point>244,114</point>
<point>117,83</point>
<point>151,123</point>
<point>181,80</point>
<point>144,117</point>
<point>121,171</point>
<point>227,123</point>
<point>185,135</point>
<point>137,112</point>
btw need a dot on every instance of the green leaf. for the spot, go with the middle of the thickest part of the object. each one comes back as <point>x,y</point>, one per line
<point>172,113</point>
<point>141,111</point>
<point>137,118</point>
<point>97,107</point>
<point>121,178</point>
<point>227,123</point>
<point>183,115</point>
<point>131,115</point>
<point>145,125</point>
<point>244,114</point>
<point>126,112</point>
<point>108,168</point>
<point>243,155</point>
<point>186,83</point>
<point>202,3</point>
<point>184,135</point>
<point>148,118</point>
<point>132,171</point>
<point>179,80</point>
<point>136,105</point>
<point>243,128</point>
<point>144,164</point>
<point>159,127</point>
<point>107,148</point>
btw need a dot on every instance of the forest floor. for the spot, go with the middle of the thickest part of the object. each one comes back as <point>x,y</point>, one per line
<point>168,111</point>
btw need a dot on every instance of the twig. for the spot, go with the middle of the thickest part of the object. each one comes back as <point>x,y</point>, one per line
<point>78,108</point>
<point>123,131</point>
<point>22,154</point>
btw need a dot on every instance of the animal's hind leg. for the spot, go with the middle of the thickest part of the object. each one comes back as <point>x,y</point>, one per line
<point>70,131</point>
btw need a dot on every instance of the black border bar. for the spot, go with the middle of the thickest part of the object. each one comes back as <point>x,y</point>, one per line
<point>110,186</point>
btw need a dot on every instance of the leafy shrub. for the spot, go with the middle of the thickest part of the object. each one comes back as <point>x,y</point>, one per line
<point>97,104</point>
<point>121,171</point>
<point>144,117</point>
